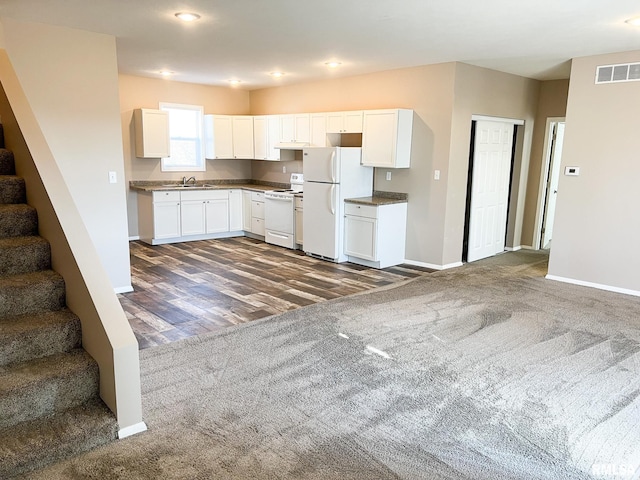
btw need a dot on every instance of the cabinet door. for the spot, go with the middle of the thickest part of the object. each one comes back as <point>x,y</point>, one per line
<point>318,135</point>
<point>152,133</point>
<point>166,220</point>
<point>360,237</point>
<point>260,137</point>
<point>246,211</point>
<point>335,122</point>
<point>379,138</point>
<point>299,229</point>
<point>302,127</point>
<point>287,128</point>
<point>273,137</point>
<point>235,210</point>
<point>243,137</point>
<point>222,137</point>
<point>217,216</point>
<point>353,122</point>
<point>192,217</point>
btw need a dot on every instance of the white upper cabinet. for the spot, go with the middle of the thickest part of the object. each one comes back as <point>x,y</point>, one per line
<point>295,128</point>
<point>266,134</point>
<point>345,122</point>
<point>152,133</point>
<point>318,133</point>
<point>242,127</point>
<point>218,135</point>
<point>386,138</point>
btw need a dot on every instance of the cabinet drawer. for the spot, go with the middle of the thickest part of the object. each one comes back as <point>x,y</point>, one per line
<point>369,211</point>
<point>204,195</point>
<point>257,196</point>
<point>257,226</point>
<point>298,202</point>
<point>257,209</point>
<point>166,196</point>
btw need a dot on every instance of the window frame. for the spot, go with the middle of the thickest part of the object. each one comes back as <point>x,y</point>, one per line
<point>200,164</point>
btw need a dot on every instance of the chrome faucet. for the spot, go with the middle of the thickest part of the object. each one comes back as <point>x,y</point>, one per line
<point>186,180</point>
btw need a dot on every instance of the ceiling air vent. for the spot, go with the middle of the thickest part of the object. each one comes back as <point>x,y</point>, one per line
<point>627,72</point>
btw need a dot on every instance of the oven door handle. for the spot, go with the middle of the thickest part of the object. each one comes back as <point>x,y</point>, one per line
<point>280,199</point>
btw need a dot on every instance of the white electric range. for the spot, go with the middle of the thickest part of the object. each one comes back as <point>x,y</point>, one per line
<point>279,213</point>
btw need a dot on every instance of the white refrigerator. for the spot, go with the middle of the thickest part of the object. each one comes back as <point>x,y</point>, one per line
<point>331,174</point>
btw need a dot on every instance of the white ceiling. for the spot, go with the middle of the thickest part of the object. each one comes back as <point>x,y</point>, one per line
<point>247,39</point>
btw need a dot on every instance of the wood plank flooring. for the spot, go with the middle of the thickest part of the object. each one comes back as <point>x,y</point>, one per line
<point>190,288</point>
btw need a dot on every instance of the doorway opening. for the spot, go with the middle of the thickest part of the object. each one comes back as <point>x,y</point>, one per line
<point>550,175</point>
<point>489,186</point>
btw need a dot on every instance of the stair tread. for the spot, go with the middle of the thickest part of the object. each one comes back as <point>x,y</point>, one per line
<point>15,207</point>
<point>17,376</point>
<point>37,443</point>
<point>32,321</point>
<point>28,278</point>
<point>10,242</point>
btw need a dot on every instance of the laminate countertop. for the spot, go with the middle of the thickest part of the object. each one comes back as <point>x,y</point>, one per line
<point>160,186</point>
<point>380,198</point>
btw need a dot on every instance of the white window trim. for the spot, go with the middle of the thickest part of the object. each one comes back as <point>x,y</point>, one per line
<point>203,164</point>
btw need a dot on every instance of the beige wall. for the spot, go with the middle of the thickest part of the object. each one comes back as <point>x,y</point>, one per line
<point>596,231</point>
<point>70,80</point>
<point>139,92</point>
<point>428,90</point>
<point>552,103</point>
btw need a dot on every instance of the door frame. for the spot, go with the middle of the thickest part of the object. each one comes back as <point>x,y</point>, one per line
<point>544,178</point>
<point>474,118</point>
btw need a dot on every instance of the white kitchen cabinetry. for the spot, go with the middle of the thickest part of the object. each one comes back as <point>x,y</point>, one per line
<point>218,134</point>
<point>266,134</point>
<point>345,122</point>
<point>257,213</point>
<point>242,136</point>
<point>386,138</point>
<point>299,212</point>
<point>152,133</point>
<point>235,210</point>
<point>318,130</point>
<point>204,212</point>
<point>295,128</point>
<point>158,216</point>
<point>246,211</point>
<point>375,235</point>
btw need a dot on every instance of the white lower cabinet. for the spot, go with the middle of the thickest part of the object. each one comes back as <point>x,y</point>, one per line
<point>166,215</point>
<point>298,205</point>
<point>375,235</point>
<point>235,210</point>
<point>246,211</point>
<point>257,213</point>
<point>204,212</point>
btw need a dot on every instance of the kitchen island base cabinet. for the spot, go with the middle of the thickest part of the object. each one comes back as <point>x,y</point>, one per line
<point>375,235</point>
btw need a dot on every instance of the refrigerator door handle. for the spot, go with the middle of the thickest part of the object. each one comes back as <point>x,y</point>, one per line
<point>333,198</point>
<point>333,166</point>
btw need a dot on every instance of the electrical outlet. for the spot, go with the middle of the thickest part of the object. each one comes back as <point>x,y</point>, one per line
<point>284,169</point>
<point>112,177</point>
<point>388,175</point>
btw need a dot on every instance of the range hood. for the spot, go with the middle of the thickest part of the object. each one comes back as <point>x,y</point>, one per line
<point>291,145</point>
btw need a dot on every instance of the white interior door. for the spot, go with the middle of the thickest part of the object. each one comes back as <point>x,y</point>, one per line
<point>552,184</point>
<point>489,189</point>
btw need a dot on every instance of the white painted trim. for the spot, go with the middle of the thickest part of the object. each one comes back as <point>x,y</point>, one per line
<point>528,247</point>
<point>599,286</point>
<point>132,430</point>
<point>542,186</point>
<point>135,237</point>
<point>513,249</point>
<point>488,118</point>
<point>433,266</point>
<point>124,289</point>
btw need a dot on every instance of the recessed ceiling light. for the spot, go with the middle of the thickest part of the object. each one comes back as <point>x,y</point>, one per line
<point>187,16</point>
<point>235,82</point>
<point>634,21</point>
<point>333,64</point>
<point>277,74</point>
<point>166,73</point>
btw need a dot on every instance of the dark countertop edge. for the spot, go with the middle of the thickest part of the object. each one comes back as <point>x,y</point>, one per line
<point>380,198</point>
<point>159,185</point>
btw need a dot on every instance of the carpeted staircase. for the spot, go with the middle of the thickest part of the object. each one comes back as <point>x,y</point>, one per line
<point>49,403</point>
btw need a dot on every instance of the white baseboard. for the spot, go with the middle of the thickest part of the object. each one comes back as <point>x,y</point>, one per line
<point>433,266</point>
<point>135,237</point>
<point>599,286</point>
<point>132,430</point>
<point>125,289</point>
<point>513,249</point>
<point>528,247</point>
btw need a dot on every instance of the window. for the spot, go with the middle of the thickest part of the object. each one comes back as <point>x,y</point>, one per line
<point>186,138</point>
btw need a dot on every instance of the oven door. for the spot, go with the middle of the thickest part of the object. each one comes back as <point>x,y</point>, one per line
<point>279,214</point>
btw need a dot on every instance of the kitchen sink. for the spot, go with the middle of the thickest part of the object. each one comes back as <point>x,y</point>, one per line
<point>174,185</point>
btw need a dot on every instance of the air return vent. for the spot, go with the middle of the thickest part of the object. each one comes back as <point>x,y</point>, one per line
<point>627,72</point>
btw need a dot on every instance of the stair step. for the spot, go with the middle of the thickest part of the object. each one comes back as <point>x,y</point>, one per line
<point>7,164</point>
<point>27,337</point>
<point>18,220</point>
<point>36,444</point>
<point>23,255</point>
<point>31,293</point>
<point>12,189</point>
<point>46,385</point>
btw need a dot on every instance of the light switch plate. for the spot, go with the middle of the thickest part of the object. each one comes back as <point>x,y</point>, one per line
<point>388,175</point>
<point>436,174</point>
<point>113,178</point>
<point>572,171</point>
